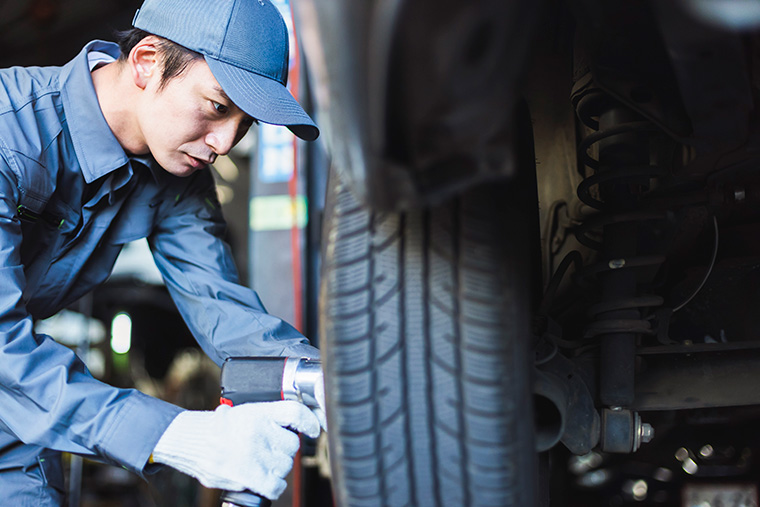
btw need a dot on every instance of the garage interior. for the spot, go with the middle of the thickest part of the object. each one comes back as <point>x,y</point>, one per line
<point>694,421</point>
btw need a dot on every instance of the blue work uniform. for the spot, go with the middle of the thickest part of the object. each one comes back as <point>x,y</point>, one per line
<point>70,198</point>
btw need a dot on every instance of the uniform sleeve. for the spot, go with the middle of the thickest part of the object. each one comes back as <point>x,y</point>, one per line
<point>47,396</point>
<point>226,318</point>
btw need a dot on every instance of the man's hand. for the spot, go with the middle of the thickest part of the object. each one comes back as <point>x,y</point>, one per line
<point>246,447</point>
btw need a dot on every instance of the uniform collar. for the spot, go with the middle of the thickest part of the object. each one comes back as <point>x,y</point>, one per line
<point>160,176</point>
<point>97,149</point>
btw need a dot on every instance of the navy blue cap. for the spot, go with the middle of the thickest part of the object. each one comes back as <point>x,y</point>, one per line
<point>245,43</point>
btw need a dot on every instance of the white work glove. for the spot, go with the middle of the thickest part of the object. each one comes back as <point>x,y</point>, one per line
<point>246,447</point>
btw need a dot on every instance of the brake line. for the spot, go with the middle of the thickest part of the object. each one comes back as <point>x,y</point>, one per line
<point>709,269</point>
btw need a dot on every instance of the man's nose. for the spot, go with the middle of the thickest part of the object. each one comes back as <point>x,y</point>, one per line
<point>222,139</point>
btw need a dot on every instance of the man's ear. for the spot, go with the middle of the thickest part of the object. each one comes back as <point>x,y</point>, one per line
<point>144,64</point>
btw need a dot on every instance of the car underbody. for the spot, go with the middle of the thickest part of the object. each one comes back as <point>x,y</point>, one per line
<point>636,125</point>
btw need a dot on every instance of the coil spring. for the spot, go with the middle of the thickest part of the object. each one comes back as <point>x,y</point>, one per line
<point>588,104</point>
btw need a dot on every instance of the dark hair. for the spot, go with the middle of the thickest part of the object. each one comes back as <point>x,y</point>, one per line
<point>175,58</point>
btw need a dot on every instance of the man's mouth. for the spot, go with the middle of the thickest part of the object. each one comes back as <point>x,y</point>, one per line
<point>197,163</point>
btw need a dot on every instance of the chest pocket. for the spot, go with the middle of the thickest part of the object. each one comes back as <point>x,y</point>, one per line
<point>134,221</point>
<point>47,232</point>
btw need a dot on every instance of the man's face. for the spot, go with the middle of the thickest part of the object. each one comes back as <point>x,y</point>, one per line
<point>190,121</point>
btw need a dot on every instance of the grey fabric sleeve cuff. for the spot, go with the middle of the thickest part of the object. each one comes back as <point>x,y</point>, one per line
<point>139,425</point>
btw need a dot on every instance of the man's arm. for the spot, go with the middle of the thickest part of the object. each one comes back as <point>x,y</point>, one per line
<point>48,397</point>
<point>234,448</point>
<point>225,317</point>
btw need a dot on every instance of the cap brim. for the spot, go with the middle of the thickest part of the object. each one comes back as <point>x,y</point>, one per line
<point>265,99</point>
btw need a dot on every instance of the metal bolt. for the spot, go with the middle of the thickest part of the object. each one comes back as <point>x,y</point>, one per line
<point>663,474</point>
<point>639,490</point>
<point>646,433</point>
<point>616,263</point>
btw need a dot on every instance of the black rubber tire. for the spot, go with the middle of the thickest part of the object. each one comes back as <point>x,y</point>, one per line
<point>424,325</point>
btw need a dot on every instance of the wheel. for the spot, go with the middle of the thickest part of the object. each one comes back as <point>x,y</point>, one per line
<point>424,325</point>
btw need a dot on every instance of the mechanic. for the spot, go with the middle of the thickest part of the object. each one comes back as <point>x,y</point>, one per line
<point>112,147</point>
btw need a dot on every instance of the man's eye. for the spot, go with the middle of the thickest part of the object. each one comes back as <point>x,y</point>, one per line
<point>220,108</point>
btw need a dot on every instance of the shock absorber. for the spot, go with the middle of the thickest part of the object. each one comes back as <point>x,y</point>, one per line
<point>622,174</point>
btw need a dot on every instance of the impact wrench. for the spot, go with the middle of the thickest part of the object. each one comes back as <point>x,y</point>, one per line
<point>256,379</point>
